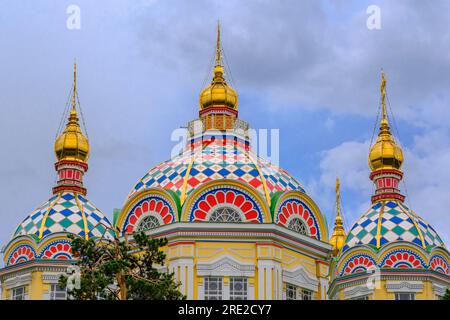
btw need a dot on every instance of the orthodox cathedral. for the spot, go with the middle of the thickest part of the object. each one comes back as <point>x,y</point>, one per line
<point>238,227</point>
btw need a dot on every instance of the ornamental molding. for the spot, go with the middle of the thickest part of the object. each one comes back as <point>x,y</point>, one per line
<point>362,290</point>
<point>46,265</point>
<point>404,286</point>
<point>336,286</point>
<point>439,289</point>
<point>51,277</point>
<point>18,281</point>
<point>301,278</point>
<point>226,266</point>
<point>237,231</point>
<point>395,277</point>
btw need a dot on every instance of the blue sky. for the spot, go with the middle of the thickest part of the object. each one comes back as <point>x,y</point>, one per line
<point>310,69</point>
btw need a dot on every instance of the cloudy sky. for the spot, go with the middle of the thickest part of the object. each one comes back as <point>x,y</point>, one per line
<point>310,69</point>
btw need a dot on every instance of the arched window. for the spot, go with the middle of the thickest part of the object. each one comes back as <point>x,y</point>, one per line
<point>147,223</point>
<point>297,225</point>
<point>225,214</point>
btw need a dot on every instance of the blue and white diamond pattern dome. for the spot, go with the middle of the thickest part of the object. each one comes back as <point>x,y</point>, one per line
<point>389,221</point>
<point>66,212</point>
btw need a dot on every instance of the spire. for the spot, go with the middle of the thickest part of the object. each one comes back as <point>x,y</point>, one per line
<point>218,101</point>
<point>384,124</point>
<point>385,157</point>
<point>383,96</point>
<point>218,48</point>
<point>338,198</point>
<point>337,239</point>
<point>385,153</point>
<point>71,150</point>
<point>74,89</point>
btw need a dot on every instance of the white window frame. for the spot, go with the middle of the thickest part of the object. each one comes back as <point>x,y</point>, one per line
<point>23,295</point>
<point>291,292</point>
<point>54,292</point>
<point>243,295</point>
<point>364,297</point>
<point>300,293</point>
<point>305,293</point>
<point>411,295</point>
<point>218,293</point>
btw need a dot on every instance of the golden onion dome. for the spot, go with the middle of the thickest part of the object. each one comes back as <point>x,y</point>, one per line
<point>72,144</point>
<point>337,239</point>
<point>218,92</point>
<point>385,153</point>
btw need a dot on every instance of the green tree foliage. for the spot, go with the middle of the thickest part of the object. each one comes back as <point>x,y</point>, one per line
<point>119,270</point>
<point>446,295</point>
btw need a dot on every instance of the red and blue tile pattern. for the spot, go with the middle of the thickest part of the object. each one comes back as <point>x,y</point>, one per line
<point>214,160</point>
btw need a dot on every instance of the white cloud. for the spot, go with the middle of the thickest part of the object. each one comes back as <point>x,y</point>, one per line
<point>426,178</point>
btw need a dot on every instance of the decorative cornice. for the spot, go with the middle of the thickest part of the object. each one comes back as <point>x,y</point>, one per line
<point>389,275</point>
<point>404,286</point>
<point>218,109</point>
<point>225,266</point>
<point>62,188</point>
<point>439,289</point>
<point>186,231</point>
<point>358,291</point>
<point>18,280</point>
<point>387,172</point>
<point>35,265</point>
<point>51,277</point>
<point>301,278</point>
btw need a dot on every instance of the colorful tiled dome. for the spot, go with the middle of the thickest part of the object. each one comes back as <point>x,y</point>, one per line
<point>65,212</point>
<point>216,159</point>
<point>390,221</point>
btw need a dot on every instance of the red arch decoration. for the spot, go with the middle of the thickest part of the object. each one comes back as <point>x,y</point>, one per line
<point>226,196</point>
<point>154,205</point>
<point>439,264</point>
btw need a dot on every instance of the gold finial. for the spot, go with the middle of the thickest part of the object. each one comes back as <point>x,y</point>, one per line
<point>383,96</point>
<point>218,92</point>
<point>338,198</point>
<point>337,239</point>
<point>218,48</point>
<point>385,153</point>
<point>74,93</point>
